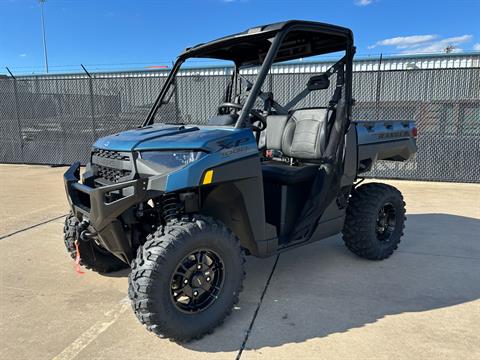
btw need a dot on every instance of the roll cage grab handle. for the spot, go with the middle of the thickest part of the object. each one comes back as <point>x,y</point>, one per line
<point>262,74</point>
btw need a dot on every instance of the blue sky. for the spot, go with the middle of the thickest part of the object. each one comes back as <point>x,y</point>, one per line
<point>108,34</point>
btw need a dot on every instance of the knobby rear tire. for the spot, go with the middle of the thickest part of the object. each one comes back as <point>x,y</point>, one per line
<point>360,228</point>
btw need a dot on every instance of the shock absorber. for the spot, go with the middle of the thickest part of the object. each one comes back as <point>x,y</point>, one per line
<point>169,206</point>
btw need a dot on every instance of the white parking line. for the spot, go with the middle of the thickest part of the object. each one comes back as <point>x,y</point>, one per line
<point>89,335</point>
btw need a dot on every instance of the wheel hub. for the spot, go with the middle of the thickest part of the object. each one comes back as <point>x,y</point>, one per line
<point>386,221</point>
<point>197,281</point>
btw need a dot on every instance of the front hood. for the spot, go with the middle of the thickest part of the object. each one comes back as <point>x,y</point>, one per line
<point>163,136</point>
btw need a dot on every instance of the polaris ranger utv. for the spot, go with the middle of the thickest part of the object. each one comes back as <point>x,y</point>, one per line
<point>183,204</point>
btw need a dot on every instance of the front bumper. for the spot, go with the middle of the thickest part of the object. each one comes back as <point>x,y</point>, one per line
<point>92,203</point>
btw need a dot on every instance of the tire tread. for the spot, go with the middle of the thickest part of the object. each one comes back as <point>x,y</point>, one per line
<point>361,211</point>
<point>150,259</point>
<point>90,257</point>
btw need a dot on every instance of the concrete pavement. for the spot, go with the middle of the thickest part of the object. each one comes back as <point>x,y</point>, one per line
<point>30,195</point>
<point>321,302</point>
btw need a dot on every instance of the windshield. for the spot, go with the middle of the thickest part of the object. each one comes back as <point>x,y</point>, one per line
<point>202,89</point>
<point>196,92</point>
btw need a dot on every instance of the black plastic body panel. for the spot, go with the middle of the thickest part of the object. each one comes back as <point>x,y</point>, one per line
<point>283,204</point>
<point>350,166</point>
<point>236,199</point>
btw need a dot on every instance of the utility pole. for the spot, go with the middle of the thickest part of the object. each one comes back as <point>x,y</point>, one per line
<point>43,35</point>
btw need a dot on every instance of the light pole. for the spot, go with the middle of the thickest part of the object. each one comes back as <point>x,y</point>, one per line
<point>43,35</point>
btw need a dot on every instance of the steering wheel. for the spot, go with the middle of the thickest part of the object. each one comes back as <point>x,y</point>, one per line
<point>229,105</point>
<point>256,115</point>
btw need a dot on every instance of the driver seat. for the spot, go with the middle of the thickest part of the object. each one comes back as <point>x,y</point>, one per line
<point>301,136</point>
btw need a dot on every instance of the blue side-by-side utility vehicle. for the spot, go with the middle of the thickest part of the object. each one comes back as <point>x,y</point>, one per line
<point>183,204</point>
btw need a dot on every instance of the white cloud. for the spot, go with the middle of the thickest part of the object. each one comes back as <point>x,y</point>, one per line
<point>424,44</point>
<point>404,41</point>
<point>23,55</point>
<point>476,47</point>
<point>363,2</point>
<point>440,45</point>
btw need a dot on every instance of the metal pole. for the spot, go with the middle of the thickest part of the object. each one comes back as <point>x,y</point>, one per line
<point>177,106</point>
<point>17,114</point>
<point>43,34</point>
<point>163,92</point>
<point>379,88</point>
<point>92,102</point>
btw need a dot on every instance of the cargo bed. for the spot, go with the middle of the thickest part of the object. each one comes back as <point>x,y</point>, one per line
<point>393,140</point>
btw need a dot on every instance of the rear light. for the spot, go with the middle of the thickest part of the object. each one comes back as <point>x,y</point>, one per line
<point>414,132</point>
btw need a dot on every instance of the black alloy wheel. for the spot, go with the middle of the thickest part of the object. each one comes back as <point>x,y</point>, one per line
<point>386,221</point>
<point>197,281</point>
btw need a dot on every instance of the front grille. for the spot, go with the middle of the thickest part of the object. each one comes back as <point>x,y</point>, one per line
<point>109,154</point>
<point>111,175</point>
<point>111,166</point>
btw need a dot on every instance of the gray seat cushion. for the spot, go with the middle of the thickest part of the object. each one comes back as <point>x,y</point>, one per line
<point>271,138</point>
<point>304,135</point>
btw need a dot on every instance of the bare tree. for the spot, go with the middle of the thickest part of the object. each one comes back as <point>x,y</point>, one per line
<point>449,49</point>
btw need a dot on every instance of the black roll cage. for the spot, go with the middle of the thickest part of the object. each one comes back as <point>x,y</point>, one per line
<point>279,32</point>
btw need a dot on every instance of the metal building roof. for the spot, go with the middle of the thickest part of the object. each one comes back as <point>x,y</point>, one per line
<point>386,63</point>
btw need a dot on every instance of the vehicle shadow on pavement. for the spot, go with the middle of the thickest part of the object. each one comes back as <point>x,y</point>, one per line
<point>118,274</point>
<point>322,288</point>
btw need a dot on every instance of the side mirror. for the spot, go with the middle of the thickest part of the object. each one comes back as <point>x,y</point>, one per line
<point>318,82</point>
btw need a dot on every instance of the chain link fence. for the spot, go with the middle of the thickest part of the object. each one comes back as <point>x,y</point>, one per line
<point>55,119</point>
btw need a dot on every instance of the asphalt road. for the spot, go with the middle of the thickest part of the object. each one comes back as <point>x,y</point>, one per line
<point>321,302</point>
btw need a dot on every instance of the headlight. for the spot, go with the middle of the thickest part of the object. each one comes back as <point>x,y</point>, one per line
<point>171,160</point>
